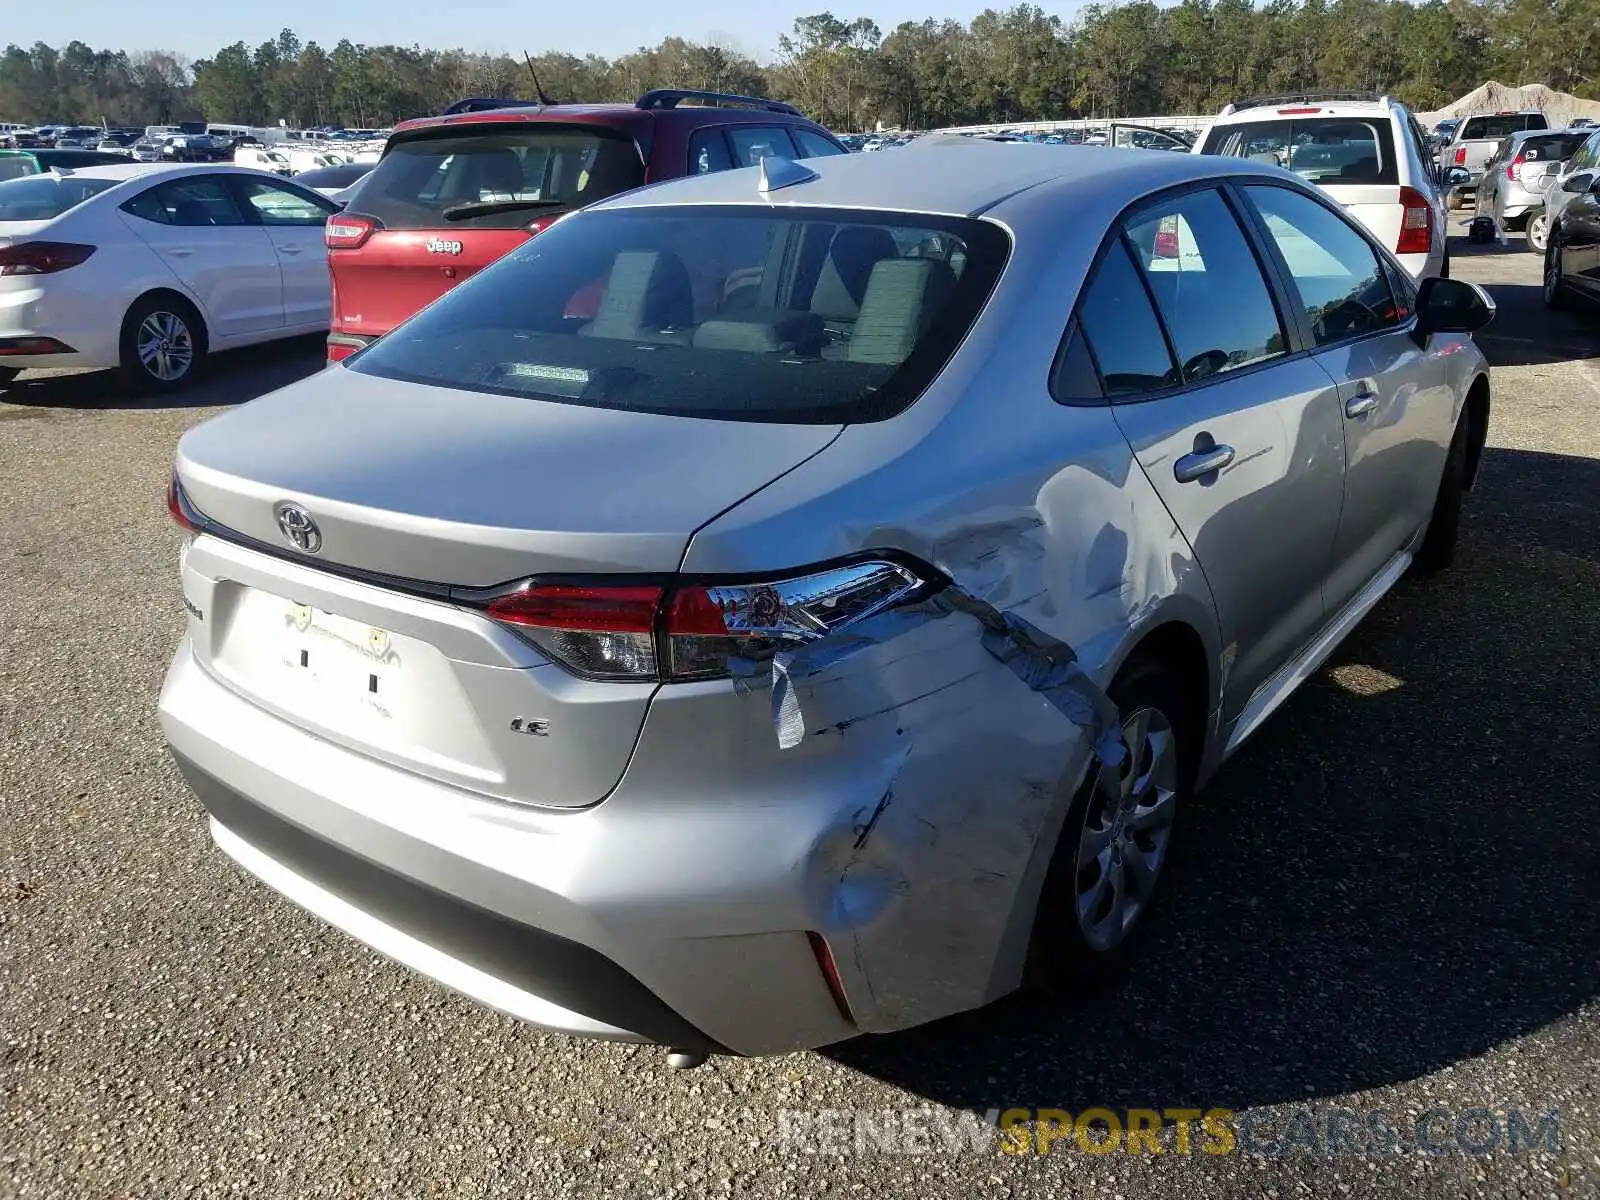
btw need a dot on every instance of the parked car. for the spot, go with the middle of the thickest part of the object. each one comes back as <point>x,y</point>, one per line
<point>334,181</point>
<point>197,148</point>
<point>15,164</point>
<point>1475,140</point>
<point>452,194</point>
<point>261,158</point>
<point>1367,152</point>
<point>1512,190</point>
<point>1572,256</point>
<point>833,628</point>
<point>148,269</point>
<point>120,144</point>
<point>146,150</point>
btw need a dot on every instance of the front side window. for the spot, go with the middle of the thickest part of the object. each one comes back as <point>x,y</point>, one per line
<point>789,315</point>
<point>280,206</point>
<point>813,145</point>
<point>1340,278</point>
<point>1324,150</point>
<point>1207,284</point>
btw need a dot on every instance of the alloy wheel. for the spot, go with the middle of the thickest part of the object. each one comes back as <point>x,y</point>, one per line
<point>1538,226</point>
<point>165,346</point>
<point>1127,827</point>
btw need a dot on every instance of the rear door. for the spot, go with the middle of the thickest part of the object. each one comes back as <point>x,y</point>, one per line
<point>293,219</point>
<point>1240,439</point>
<point>1396,403</point>
<point>447,201</point>
<point>196,226</point>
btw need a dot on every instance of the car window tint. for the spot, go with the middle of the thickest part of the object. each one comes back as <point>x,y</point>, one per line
<point>708,152</point>
<point>1121,328</point>
<point>1340,278</point>
<point>813,145</point>
<point>280,206</point>
<point>147,204</point>
<point>1325,150</point>
<point>753,143</point>
<point>1074,380</point>
<point>1207,284</point>
<point>200,200</point>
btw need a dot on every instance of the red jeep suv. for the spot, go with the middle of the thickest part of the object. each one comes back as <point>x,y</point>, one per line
<point>453,193</point>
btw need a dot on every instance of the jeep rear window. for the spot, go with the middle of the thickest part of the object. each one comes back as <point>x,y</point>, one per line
<point>1483,128</point>
<point>1324,150</point>
<point>785,315</point>
<point>497,178</point>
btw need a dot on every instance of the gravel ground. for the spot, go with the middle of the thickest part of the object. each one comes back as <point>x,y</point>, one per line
<point>1391,900</point>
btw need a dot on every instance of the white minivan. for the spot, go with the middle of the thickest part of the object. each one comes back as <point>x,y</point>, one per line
<point>1365,151</point>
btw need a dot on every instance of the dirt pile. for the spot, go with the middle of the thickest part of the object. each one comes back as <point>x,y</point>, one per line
<point>1560,107</point>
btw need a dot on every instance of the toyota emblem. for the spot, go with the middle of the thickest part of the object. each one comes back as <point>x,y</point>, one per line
<point>299,528</point>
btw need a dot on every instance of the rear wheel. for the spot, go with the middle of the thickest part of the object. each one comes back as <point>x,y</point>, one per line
<point>163,344</point>
<point>1538,231</point>
<point>1555,294</point>
<point>1110,858</point>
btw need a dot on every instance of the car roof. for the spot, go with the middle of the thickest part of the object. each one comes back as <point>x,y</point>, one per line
<point>604,114</point>
<point>1322,109</point>
<point>945,175</point>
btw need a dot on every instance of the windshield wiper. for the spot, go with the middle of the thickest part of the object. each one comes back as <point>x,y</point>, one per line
<point>483,208</point>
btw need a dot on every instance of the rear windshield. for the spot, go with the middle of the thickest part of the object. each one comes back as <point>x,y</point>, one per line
<point>498,178</point>
<point>15,166</point>
<point>43,197</point>
<point>1557,147</point>
<point>795,315</point>
<point>1480,128</point>
<point>1325,150</point>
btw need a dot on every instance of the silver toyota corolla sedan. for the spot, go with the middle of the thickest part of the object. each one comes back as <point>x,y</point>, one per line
<point>802,601</point>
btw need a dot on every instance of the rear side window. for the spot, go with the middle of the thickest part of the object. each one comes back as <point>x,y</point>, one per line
<point>1340,278</point>
<point>45,197</point>
<point>813,145</point>
<point>1324,150</point>
<point>1121,328</point>
<point>497,178</point>
<point>753,143</point>
<point>1207,284</point>
<point>786,315</point>
<point>1483,128</point>
<point>201,200</point>
<point>708,152</point>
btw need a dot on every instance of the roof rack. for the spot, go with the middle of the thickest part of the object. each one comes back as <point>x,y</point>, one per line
<point>1297,98</point>
<point>670,98</point>
<point>485,104</point>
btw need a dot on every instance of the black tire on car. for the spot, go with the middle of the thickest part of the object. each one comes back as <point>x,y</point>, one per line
<point>8,375</point>
<point>1438,549</point>
<point>1538,231</point>
<point>1062,954</point>
<point>1554,291</point>
<point>163,344</point>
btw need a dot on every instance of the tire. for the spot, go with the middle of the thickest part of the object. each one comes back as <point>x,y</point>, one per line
<point>1444,267</point>
<point>1438,549</point>
<point>163,344</point>
<point>1555,293</point>
<point>1066,951</point>
<point>1538,231</point>
<point>8,375</point>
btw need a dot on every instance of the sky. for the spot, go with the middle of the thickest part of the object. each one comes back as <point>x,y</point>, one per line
<point>607,27</point>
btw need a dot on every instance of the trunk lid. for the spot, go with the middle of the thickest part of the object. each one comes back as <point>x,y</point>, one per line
<point>1375,205</point>
<point>399,272</point>
<point>433,485</point>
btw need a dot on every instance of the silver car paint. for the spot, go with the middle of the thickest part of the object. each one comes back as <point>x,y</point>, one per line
<point>913,823</point>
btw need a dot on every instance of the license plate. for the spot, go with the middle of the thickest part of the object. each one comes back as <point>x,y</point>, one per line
<point>344,661</point>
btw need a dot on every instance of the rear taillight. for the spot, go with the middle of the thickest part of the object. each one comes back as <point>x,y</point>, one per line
<point>1461,156</point>
<point>42,258</point>
<point>344,232</point>
<point>695,631</point>
<point>1416,224</point>
<point>179,508</point>
<point>1514,167</point>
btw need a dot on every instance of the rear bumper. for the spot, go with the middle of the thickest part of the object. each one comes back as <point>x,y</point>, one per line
<point>84,322</point>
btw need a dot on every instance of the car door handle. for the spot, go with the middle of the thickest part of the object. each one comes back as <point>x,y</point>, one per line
<point>179,252</point>
<point>290,249</point>
<point>1201,463</point>
<point>1360,405</point>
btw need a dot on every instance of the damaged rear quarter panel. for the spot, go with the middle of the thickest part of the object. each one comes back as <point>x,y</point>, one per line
<point>925,873</point>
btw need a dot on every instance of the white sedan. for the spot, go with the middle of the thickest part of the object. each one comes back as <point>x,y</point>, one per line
<point>149,268</point>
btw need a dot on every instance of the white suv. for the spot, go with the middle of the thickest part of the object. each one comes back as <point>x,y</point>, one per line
<point>1367,152</point>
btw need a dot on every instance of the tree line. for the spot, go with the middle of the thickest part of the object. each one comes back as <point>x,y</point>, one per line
<point>1016,64</point>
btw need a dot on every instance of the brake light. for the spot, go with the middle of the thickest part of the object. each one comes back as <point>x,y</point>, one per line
<point>622,631</point>
<point>1416,224</point>
<point>344,232</point>
<point>42,258</point>
<point>1461,156</point>
<point>1297,112</point>
<point>1514,167</point>
<point>1166,243</point>
<point>830,973</point>
<point>179,508</point>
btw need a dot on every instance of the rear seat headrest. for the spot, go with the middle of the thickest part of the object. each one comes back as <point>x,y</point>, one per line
<point>647,290</point>
<point>903,296</point>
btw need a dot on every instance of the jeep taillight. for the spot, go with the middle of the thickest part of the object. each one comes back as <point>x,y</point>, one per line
<point>688,631</point>
<point>344,232</point>
<point>1416,223</point>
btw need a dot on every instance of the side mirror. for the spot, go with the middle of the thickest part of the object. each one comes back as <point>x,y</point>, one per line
<point>1451,306</point>
<point>1457,177</point>
<point>1582,181</point>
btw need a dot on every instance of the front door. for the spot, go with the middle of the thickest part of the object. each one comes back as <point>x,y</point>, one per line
<point>293,219</point>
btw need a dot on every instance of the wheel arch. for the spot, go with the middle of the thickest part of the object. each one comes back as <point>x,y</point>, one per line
<point>170,295</point>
